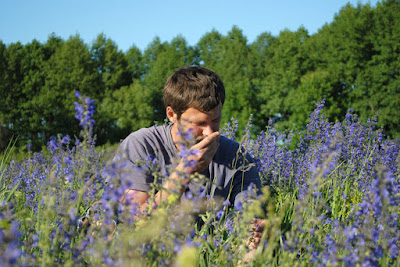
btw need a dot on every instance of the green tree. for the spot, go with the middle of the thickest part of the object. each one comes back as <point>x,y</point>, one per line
<point>22,79</point>
<point>113,73</point>
<point>286,62</point>
<point>260,54</point>
<point>314,87</point>
<point>207,49</point>
<point>11,91</point>
<point>233,67</point>
<point>161,60</point>
<point>355,65</point>
<point>259,57</point>
<point>34,60</point>
<point>111,65</point>
<point>5,134</point>
<point>229,57</point>
<point>69,69</point>
<point>135,57</point>
<point>343,50</point>
<point>377,86</point>
<point>127,110</point>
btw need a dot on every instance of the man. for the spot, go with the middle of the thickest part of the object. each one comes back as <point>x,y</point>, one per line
<point>193,97</point>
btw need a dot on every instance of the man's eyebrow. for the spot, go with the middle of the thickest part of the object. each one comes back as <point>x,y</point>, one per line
<point>198,121</point>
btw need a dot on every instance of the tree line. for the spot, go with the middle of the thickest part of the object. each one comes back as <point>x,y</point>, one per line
<point>351,62</point>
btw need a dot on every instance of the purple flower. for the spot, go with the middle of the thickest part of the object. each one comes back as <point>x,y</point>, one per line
<point>85,110</point>
<point>219,214</point>
<point>239,206</point>
<point>226,203</point>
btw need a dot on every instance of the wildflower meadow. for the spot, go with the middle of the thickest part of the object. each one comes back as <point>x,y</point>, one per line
<point>330,197</point>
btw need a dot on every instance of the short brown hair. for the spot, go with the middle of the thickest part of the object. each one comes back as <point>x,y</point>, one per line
<point>196,87</point>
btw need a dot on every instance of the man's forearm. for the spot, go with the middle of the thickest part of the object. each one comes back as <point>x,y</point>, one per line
<point>174,185</point>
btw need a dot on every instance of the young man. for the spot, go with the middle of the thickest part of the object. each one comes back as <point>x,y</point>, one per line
<point>193,97</point>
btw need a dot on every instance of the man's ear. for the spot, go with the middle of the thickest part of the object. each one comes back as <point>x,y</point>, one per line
<point>172,116</point>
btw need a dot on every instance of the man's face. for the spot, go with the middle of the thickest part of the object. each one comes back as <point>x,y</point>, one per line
<point>201,123</point>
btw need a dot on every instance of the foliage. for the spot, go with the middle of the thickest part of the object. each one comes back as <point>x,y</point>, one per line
<point>351,62</point>
<point>230,61</point>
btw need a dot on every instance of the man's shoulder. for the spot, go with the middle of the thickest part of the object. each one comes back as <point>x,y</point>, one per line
<point>228,145</point>
<point>228,151</point>
<point>231,151</point>
<point>148,134</point>
<point>152,140</point>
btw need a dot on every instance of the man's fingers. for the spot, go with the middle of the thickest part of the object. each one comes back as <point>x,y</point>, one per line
<point>207,141</point>
<point>207,149</point>
<point>257,234</point>
<point>258,225</point>
<point>253,242</point>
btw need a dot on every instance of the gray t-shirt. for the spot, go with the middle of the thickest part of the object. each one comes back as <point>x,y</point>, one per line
<point>229,174</point>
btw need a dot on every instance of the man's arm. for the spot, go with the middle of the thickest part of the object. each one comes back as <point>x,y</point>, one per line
<point>132,196</point>
<point>207,149</point>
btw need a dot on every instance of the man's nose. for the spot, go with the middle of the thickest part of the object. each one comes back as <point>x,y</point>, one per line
<point>207,130</point>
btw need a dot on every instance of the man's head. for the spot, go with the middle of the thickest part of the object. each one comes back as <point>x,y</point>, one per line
<point>194,97</point>
<point>195,87</point>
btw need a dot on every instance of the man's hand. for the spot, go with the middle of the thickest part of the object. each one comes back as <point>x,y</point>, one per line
<point>207,149</point>
<point>257,228</point>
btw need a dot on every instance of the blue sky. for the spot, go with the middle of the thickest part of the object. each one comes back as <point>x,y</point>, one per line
<point>138,22</point>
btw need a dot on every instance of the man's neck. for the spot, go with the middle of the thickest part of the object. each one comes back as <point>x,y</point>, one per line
<point>175,135</point>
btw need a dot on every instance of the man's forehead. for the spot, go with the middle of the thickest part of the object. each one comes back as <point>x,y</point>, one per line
<point>192,111</point>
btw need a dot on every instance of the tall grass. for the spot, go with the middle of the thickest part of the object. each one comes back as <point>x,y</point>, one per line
<point>332,198</point>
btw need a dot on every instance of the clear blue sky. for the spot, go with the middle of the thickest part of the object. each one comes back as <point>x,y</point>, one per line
<point>129,22</point>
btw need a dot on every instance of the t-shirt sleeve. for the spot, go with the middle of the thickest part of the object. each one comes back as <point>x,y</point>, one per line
<point>134,163</point>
